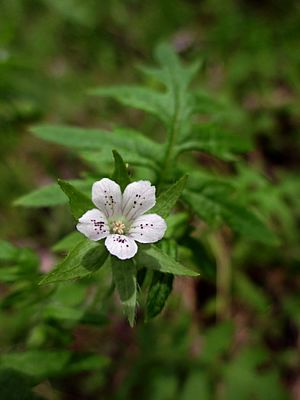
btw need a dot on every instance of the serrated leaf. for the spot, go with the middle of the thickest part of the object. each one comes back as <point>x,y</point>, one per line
<point>159,291</point>
<point>216,209</point>
<point>204,103</point>
<point>154,258</point>
<point>93,139</point>
<point>138,97</point>
<point>61,312</point>
<point>124,276</point>
<point>88,362</point>
<point>36,362</point>
<point>68,242</point>
<point>120,174</point>
<point>50,195</point>
<point>175,73</point>
<point>211,139</point>
<point>161,284</point>
<point>79,202</point>
<point>102,158</point>
<point>168,198</point>
<point>8,252</point>
<point>84,259</point>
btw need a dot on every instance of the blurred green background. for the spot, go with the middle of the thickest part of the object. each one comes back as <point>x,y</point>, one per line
<point>51,52</point>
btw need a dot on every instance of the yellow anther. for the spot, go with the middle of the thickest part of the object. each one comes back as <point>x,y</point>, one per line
<point>118,227</point>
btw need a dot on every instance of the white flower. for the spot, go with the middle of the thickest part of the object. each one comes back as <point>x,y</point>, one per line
<point>119,217</point>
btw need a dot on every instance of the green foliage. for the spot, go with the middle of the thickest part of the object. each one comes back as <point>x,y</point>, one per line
<point>154,258</point>
<point>168,198</point>
<point>79,202</point>
<point>120,174</point>
<point>159,291</point>
<point>229,121</point>
<point>40,364</point>
<point>50,195</point>
<point>124,276</point>
<point>214,140</point>
<point>211,205</point>
<point>137,97</point>
<point>97,139</point>
<point>84,259</point>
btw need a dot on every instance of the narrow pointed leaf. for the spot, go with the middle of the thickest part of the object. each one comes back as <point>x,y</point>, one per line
<point>84,259</point>
<point>97,139</point>
<point>120,174</point>
<point>161,284</point>
<point>37,362</point>
<point>124,276</point>
<point>213,140</point>
<point>216,209</point>
<point>154,258</point>
<point>138,97</point>
<point>79,202</point>
<point>167,199</point>
<point>50,195</point>
<point>159,291</point>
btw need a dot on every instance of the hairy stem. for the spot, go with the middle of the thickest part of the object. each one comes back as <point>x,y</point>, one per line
<point>172,137</point>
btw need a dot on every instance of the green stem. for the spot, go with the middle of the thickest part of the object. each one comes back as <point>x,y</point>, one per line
<point>172,137</point>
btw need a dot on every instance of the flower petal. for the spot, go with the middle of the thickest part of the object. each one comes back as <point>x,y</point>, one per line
<point>107,196</point>
<point>121,246</point>
<point>138,197</point>
<point>93,224</point>
<point>148,228</point>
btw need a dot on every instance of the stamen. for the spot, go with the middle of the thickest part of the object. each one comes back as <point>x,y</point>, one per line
<point>118,227</point>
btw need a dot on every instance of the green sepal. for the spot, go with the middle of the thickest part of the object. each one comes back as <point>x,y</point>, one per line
<point>120,174</point>
<point>79,202</point>
<point>167,199</point>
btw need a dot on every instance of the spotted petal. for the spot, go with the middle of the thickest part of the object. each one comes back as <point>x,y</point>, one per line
<point>138,198</point>
<point>93,224</point>
<point>148,228</point>
<point>107,196</point>
<point>121,246</point>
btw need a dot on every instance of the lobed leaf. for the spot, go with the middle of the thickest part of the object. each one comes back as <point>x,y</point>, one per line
<point>174,72</point>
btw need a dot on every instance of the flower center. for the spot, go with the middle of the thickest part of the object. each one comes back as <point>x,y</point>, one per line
<point>118,227</point>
